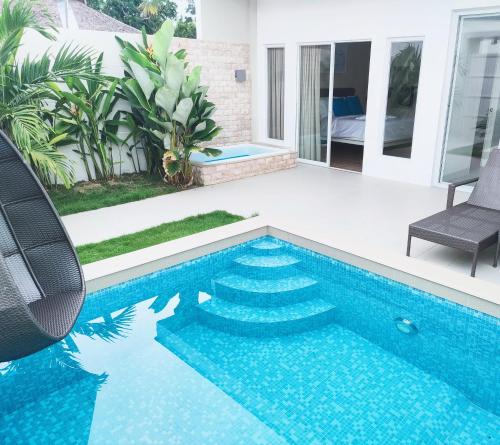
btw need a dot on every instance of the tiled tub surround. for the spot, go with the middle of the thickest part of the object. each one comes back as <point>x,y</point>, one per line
<point>244,167</point>
<point>261,343</point>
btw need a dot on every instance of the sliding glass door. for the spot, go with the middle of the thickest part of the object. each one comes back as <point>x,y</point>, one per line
<point>473,127</point>
<point>314,115</point>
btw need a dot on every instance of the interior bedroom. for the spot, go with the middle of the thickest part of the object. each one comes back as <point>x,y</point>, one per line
<point>350,95</point>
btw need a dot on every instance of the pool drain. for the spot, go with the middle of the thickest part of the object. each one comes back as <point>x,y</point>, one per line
<point>406,326</point>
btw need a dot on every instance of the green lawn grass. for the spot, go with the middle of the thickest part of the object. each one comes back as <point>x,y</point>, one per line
<point>89,253</point>
<point>94,195</point>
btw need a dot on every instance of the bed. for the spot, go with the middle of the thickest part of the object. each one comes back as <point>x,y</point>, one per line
<point>350,129</point>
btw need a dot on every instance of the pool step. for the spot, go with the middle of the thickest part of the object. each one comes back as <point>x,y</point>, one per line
<point>265,293</point>
<point>267,266</point>
<point>266,247</point>
<point>271,414</point>
<point>248,321</point>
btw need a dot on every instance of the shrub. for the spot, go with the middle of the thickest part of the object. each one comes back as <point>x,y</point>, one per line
<point>85,111</point>
<point>25,91</point>
<point>168,105</point>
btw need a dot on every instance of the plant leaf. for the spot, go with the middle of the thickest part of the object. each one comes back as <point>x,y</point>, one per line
<point>174,73</point>
<point>166,142</point>
<point>166,98</point>
<point>161,42</point>
<point>143,78</point>
<point>172,167</point>
<point>136,90</point>
<point>183,110</point>
<point>211,151</point>
<point>200,127</point>
<point>192,82</point>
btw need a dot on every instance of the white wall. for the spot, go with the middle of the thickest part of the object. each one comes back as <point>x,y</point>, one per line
<point>290,22</point>
<point>224,20</point>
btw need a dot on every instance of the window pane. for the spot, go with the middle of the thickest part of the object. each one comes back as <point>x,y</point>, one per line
<point>314,91</point>
<point>276,92</point>
<point>402,98</point>
<point>473,128</point>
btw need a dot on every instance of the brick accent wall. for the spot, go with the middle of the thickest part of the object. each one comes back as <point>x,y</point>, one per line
<point>219,60</point>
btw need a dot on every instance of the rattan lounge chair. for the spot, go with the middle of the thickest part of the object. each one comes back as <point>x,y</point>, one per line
<point>41,281</point>
<point>472,226</point>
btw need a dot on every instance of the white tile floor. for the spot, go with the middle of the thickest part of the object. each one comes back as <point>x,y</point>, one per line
<point>307,200</point>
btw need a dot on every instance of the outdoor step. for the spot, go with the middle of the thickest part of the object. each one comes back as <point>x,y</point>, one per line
<point>243,320</point>
<point>267,267</point>
<point>264,293</point>
<point>266,247</point>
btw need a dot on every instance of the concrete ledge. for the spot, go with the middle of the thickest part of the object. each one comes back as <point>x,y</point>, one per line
<point>471,292</point>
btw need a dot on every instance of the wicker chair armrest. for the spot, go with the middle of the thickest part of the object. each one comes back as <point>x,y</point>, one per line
<point>453,186</point>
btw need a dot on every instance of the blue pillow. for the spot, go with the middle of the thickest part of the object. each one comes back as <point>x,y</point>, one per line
<point>340,107</point>
<point>354,105</point>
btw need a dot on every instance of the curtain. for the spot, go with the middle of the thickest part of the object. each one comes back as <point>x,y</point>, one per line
<point>276,92</point>
<point>309,116</point>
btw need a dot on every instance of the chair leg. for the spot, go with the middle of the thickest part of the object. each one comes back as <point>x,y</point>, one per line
<point>408,246</point>
<point>474,263</point>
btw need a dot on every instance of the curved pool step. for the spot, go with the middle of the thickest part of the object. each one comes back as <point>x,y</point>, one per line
<point>248,321</point>
<point>267,266</point>
<point>265,293</point>
<point>266,247</point>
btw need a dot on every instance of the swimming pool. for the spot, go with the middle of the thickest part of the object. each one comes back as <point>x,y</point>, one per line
<point>261,343</point>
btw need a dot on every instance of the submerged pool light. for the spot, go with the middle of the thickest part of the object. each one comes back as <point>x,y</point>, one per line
<point>406,326</point>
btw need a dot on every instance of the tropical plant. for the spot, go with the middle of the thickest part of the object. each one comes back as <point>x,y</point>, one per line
<point>186,25</point>
<point>138,13</point>
<point>24,91</point>
<point>186,28</point>
<point>169,104</point>
<point>85,110</point>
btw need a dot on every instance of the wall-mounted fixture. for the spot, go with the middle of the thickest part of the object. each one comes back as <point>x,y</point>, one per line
<point>240,75</point>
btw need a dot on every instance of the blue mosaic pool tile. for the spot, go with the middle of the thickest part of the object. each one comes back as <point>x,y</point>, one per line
<point>142,365</point>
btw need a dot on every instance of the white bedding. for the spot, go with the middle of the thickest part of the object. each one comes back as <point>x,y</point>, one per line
<point>353,127</point>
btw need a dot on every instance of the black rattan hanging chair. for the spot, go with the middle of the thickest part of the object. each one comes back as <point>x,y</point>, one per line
<point>41,282</point>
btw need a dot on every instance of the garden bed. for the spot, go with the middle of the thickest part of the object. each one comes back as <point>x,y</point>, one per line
<point>86,196</point>
<point>90,253</point>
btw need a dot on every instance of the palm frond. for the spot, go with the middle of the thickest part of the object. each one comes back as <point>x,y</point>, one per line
<point>70,60</point>
<point>150,8</point>
<point>15,18</point>
<point>111,328</point>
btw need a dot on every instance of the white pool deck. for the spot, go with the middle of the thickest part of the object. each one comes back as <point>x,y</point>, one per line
<point>365,216</point>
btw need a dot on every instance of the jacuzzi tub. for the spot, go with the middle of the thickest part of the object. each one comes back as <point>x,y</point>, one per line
<point>240,161</point>
<point>234,152</point>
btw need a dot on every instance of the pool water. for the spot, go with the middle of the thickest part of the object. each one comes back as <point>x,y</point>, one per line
<point>238,151</point>
<point>262,343</point>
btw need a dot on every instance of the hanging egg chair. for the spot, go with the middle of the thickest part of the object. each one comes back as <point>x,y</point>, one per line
<point>41,282</point>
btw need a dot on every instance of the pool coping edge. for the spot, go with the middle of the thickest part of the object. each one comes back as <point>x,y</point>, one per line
<point>438,280</point>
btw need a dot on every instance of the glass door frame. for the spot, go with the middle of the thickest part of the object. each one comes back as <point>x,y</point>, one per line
<point>332,44</point>
<point>449,87</point>
<point>330,101</point>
